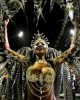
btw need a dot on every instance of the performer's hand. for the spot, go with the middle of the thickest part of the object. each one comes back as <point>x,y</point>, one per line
<point>5,23</point>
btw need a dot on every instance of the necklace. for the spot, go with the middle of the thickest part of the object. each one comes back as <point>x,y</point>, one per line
<point>40,90</point>
<point>39,86</point>
<point>42,96</point>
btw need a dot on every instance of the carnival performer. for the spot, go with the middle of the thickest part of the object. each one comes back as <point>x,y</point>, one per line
<point>41,73</point>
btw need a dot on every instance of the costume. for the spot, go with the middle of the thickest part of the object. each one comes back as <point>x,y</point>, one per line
<point>21,74</point>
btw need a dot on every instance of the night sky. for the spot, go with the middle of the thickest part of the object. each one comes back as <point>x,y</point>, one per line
<point>25,21</point>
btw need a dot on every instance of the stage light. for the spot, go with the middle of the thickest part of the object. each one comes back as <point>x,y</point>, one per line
<point>20,34</point>
<point>72,32</point>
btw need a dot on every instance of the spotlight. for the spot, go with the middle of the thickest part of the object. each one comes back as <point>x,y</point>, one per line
<point>20,34</point>
<point>72,32</point>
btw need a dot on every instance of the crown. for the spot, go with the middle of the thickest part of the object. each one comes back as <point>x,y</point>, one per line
<point>37,37</point>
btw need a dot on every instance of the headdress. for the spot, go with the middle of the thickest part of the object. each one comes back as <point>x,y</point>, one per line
<point>37,37</point>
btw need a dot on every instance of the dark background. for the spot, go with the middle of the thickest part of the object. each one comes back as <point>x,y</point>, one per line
<point>25,21</point>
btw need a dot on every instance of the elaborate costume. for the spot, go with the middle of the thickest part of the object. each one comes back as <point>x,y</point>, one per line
<point>37,73</point>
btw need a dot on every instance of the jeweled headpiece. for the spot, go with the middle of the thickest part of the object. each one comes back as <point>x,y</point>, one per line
<point>37,37</point>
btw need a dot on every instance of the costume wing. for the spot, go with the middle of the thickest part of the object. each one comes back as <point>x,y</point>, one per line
<point>68,73</point>
<point>75,61</point>
<point>3,73</point>
<point>12,87</point>
<point>63,80</point>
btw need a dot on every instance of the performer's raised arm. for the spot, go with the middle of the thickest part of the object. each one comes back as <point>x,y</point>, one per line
<point>71,49</point>
<point>6,45</point>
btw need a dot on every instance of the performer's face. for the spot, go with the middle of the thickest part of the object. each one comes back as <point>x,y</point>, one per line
<point>40,47</point>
